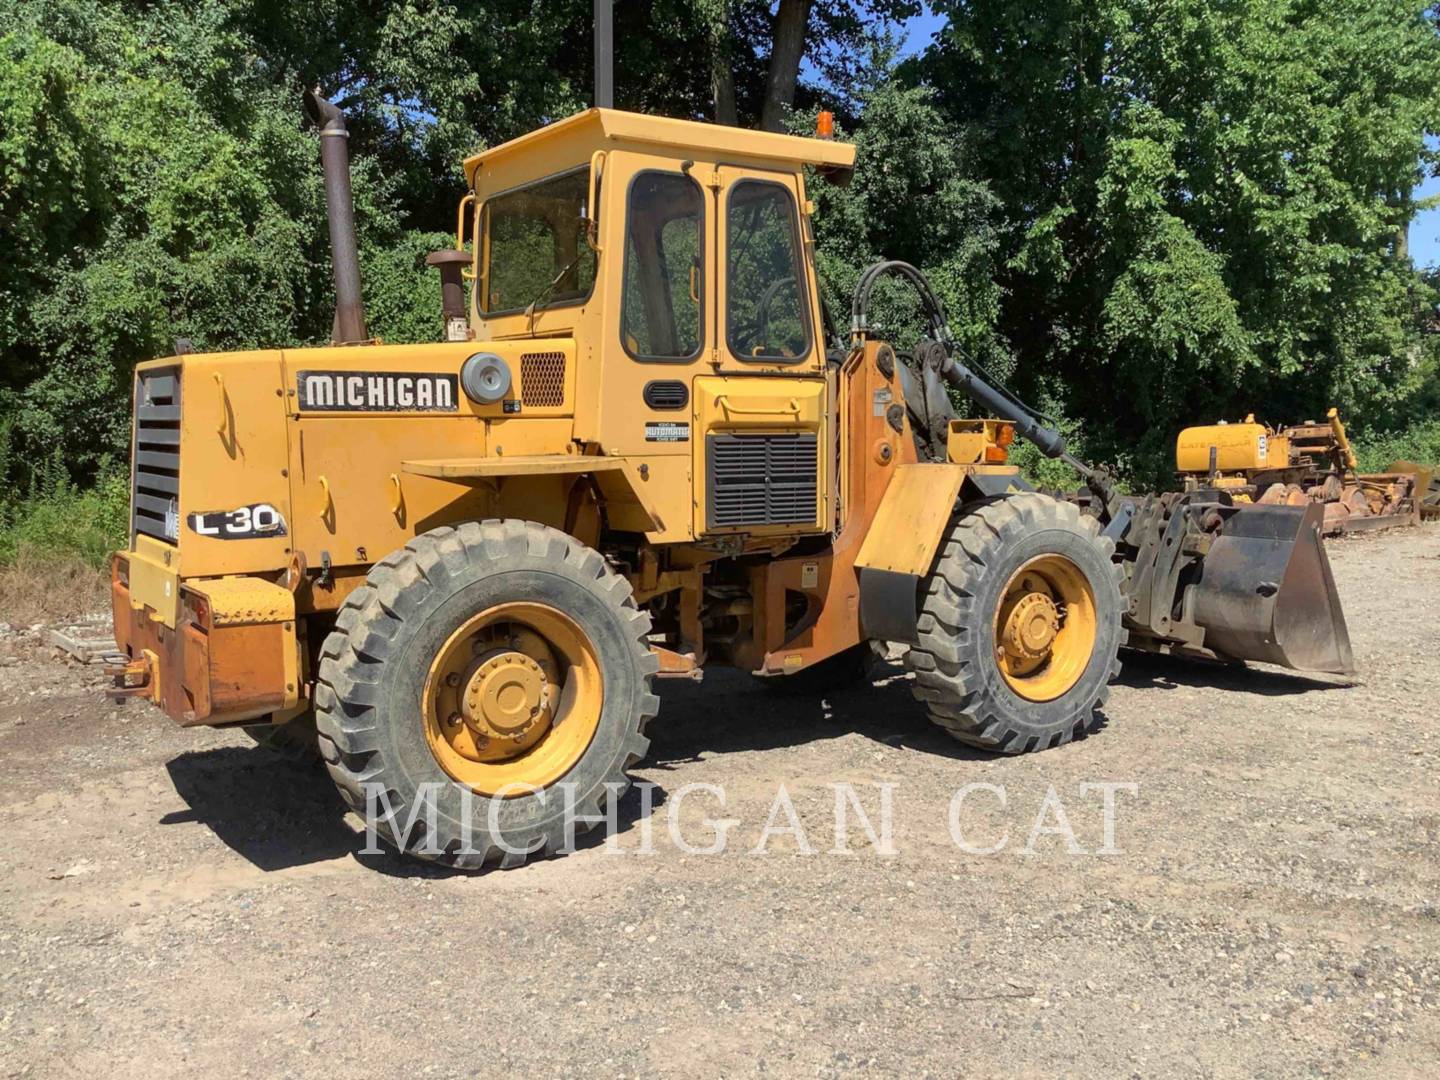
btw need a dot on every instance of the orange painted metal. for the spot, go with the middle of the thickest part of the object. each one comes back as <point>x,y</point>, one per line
<point>828,581</point>
<point>197,674</point>
<point>674,665</point>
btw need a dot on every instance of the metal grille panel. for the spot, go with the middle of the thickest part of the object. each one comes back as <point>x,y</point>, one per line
<point>154,504</point>
<point>761,479</point>
<point>666,394</point>
<point>542,380</point>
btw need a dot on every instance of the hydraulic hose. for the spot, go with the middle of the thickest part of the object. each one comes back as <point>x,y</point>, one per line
<point>985,391</point>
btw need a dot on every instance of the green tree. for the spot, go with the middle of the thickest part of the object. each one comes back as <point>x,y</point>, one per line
<point>158,181</point>
<point>911,199</point>
<point>1201,203</point>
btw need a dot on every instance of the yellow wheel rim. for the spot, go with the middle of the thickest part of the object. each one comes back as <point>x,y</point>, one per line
<point>1045,628</point>
<point>512,699</point>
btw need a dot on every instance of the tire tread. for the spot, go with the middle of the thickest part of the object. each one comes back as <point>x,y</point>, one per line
<point>945,661</point>
<point>349,685</point>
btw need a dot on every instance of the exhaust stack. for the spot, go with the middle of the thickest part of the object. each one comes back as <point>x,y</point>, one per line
<point>340,208</point>
<point>604,55</point>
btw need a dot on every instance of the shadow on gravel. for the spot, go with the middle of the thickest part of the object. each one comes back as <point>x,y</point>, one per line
<point>731,712</point>
<point>278,814</point>
<point>274,813</point>
<point>1151,672</point>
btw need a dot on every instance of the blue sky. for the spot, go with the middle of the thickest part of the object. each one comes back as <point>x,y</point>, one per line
<point>1424,230</point>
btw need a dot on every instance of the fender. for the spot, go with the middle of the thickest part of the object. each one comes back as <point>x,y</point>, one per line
<point>627,504</point>
<point>905,535</point>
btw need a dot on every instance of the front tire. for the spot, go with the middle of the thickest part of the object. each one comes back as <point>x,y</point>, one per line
<point>1019,627</point>
<point>494,664</point>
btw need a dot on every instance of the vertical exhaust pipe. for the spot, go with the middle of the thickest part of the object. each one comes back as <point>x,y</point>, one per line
<point>604,55</point>
<point>451,262</point>
<point>340,208</point>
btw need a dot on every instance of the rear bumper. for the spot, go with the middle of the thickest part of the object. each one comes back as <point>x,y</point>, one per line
<point>231,656</point>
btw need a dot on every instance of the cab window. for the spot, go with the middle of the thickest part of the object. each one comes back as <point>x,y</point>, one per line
<point>660,308</point>
<point>535,246</point>
<point>765,295</point>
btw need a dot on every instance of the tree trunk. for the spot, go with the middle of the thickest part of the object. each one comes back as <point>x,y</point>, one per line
<point>1404,201</point>
<point>722,70</point>
<point>788,46</point>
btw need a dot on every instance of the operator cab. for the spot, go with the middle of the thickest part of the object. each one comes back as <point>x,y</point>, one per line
<point>677,257</point>
<point>673,197</point>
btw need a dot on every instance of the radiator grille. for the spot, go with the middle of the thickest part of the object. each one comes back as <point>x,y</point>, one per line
<point>156,492</point>
<point>761,479</point>
<point>542,380</point>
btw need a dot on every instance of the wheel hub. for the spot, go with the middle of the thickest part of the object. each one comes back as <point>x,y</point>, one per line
<point>1031,627</point>
<point>513,697</point>
<point>504,697</point>
<point>1045,628</point>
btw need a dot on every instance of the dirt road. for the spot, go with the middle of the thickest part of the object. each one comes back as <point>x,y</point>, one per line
<point>176,901</point>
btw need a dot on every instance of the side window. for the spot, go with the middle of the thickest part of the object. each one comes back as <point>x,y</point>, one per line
<point>660,310</point>
<point>536,246</point>
<point>766,310</point>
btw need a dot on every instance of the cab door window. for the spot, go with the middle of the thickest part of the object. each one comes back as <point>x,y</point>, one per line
<point>661,314</point>
<point>766,300</point>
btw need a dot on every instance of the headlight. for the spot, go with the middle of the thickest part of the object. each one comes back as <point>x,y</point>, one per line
<point>485,377</point>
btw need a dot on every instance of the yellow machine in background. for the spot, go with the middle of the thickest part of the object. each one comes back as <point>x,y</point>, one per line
<point>643,449</point>
<point>1298,465</point>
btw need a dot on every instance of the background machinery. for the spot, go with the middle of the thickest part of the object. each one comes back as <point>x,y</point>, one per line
<point>456,568</point>
<point>1297,465</point>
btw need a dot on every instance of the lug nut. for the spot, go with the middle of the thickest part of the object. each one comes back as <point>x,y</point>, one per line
<point>453,679</point>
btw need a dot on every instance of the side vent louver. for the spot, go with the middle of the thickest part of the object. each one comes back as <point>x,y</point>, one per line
<point>666,394</point>
<point>542,380</point>
<point>761,479</point>
<point>156,492</point>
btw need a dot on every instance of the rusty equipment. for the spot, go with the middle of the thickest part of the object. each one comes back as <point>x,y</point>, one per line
<point>1296,465</point>
<point>642,450</point>
<point>1427,486</point>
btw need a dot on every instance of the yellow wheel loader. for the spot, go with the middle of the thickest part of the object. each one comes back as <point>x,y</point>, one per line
<point>643,450</point>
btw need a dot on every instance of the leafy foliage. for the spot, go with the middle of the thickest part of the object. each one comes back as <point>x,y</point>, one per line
<point>1204,203</point>
<point>1147,213</point>
<point>59,520</point>
<point>912,198</point>
<point>1419,443</point>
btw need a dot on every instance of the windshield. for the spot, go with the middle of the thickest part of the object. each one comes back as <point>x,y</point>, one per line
<point>535,236</point>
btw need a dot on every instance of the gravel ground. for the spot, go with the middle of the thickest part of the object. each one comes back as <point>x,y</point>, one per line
<point>177,901</point>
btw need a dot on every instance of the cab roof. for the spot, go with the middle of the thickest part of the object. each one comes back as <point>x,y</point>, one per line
<point>601,129</point>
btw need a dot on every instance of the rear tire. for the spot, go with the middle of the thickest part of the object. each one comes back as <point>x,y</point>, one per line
<point>957,662</point>
<point>374,683</point>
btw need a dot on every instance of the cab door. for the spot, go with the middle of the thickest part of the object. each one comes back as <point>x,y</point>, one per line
<point>767,317</point>
<point>761,452</point>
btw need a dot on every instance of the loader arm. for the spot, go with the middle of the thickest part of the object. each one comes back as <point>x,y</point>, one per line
<point>1205,576</point>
